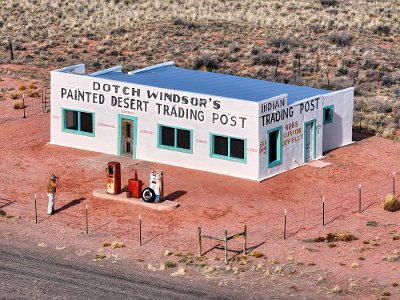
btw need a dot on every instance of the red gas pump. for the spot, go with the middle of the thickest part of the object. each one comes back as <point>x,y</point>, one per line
<point>135,186</point>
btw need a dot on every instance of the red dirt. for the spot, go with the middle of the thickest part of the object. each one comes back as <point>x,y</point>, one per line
<point>214,202</point>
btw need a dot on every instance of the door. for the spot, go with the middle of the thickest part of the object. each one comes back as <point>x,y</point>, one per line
<point>309,140</point>
<point>127,137</point>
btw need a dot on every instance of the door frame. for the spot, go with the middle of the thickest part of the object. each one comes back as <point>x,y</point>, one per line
<point>134,119</point>
<point>313,139</point>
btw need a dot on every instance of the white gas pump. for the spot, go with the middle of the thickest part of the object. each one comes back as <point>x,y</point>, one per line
<point>157,184</point>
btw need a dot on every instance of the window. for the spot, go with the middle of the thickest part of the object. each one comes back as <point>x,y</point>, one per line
<point>228,148</point>
<point>78,122</point>
<point>172,138</point>
<point>328,114</point>
<point>274,147</point>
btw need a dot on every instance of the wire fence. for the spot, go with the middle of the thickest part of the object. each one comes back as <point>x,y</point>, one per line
<point>33,106</point>
<point>309,215</point>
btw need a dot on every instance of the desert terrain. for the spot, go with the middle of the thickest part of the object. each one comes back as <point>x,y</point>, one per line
<point>328,44</point>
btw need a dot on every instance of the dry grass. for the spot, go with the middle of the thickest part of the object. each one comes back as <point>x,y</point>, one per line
<point>391,203</point>
<point>18,105</point>
<point>256,254</point>
<point>116,245</point>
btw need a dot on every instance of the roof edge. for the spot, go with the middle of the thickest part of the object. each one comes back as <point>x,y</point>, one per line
<point>153,68</point>
<point>112,69</point>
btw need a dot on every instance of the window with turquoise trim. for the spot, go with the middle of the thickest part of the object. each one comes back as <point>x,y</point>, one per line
<point>226,147</point>
<point>274,146</point>
<point>328,114</point>
<point>78,122</point>
<point>172,138</point>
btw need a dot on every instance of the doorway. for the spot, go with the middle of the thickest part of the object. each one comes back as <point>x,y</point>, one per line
<point>309,140</point>
<point>127,136</point>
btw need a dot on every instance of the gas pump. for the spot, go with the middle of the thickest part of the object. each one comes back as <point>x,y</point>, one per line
<point>113,171</point>
<point>155,191</point>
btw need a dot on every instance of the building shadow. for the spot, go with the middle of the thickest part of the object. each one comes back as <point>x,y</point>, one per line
<point>359,136</point>
<point>70,204</point>
<point>174,195</point>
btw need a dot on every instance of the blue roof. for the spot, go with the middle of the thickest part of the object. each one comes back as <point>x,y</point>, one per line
<point>168,76</point>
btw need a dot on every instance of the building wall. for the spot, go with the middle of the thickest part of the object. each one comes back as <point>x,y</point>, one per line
<point>339,132</point>
<point>222,116</point>
<point>328,136</point>
<point>292,135</point>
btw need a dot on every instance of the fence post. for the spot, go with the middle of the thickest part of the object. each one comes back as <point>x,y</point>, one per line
<point>35,210</point>
<point>394,183</point>
<point>323,210</point>
<point>87,220</point>
<point>199,248</point>
<point>245,240</point>
<point>23,105</point>
<point>140,230</point>
<point>284,228</point>
<point>359,198</point>
<point>226,246</point>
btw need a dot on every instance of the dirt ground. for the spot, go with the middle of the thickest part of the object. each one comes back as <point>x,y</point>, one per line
<point>297,266</point>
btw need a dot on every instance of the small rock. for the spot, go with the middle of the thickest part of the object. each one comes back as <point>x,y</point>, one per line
<point>181,271</point>
<point>320,279</point>
<point>41,245</point>
<point>278,269</point>
<point>60,248</point>
<point>372,223</point>
<point>336,289</point>
<point>167,253</point>
<point>151,267</point>
<point>289,258</point>
<point>355,265</point>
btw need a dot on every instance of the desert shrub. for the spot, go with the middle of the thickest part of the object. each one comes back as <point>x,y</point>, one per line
<point>22,87</point>
<point>169,264</point>
<point>32,86</point>
<point>208,61</point>
<point>187,24</point>
<point>34,94</point>
<point>254,50</point>
<point>118,31</point>
<point>329,2</point>
<point>381,29</point>
<point>264,59</point>
<point>344,237</point>
<point>369,63</point>
<point>256,254</point>
<point>18,105</point>
<point>341,38</point>
<point>342,71</point>
<point>396,92</point>
<point>391,203</point>
<point>388,80</point>
<point>279,42</point>
<point>234,47</point>
<point>15,95</point>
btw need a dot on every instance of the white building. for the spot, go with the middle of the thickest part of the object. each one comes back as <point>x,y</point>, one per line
<point>224,124</point>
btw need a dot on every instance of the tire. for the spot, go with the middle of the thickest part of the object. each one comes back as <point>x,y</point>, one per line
<point>148,195</point>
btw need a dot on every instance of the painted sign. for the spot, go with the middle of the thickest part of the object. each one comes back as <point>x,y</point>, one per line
<point>167,104</point>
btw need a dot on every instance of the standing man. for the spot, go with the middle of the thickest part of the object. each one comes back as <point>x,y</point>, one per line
<point>51,190</point>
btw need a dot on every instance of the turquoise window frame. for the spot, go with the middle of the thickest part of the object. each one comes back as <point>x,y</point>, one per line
<point>78,131</point>
<point>228,157</point>
<point>314,139</point>
<point>134,119</point>
<point>278,161</point>
<point>330,119</point>
<point>175,147</point>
